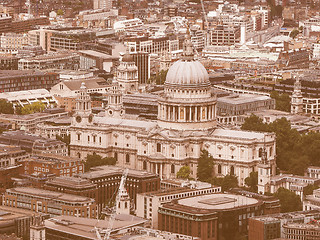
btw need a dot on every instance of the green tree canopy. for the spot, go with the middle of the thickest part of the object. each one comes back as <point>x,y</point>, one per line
<point>283,101</point>
<point>289,201</point>
<point>252,181</point>
<point>96,160</point>
<point>33,108</point>
<point>159,78</point>
<point>227,182</point>
<point>6,107</point>
<point>295,151</point>
<point>205,167</point>
<point>294,33</point>
<point>184,172</point>
<point>59,12</point>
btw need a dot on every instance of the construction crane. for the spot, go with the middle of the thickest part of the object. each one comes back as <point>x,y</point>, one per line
<point>121,192</point>
<point>206,21</point>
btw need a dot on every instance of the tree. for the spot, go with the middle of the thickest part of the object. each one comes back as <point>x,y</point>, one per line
<point>283,101</point>
<point>254,123</point>
<point>66,139</point>
<point>294,33</point>
<point>226,183</point>
<point>60,12</point>
<point>184,172</point>
<point>205,167</point>
<point>252,181</point>
<point>308,190</point>
<point>96,160</point>
<point>6,107</point>
<point>159,78</point>
<point>289,201</point>
<point>33,108</point>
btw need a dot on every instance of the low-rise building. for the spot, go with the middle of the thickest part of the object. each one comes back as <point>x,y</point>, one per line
<point>229,107</point>
<point>313,172</point>
<point>90,59</point>
<point>52,128</point>
<point>49,202</point>
<point>8,63</point>
<point>148,203</point>
<point>13,41</point>
<point>26,97</point>
<point>212,216</point>
<point>73,185</point>
<point>17,80</point>
<point>59,60</point>
<point>34,144</point>
<point>312,202</point>
<point>29,122</point>
<point>308,231</point>
<point>292,182</point>
<point>108,180</point>
<point>69,228</point>
<point>52,164</point>
<point>15,221</point>
<point>275,226</point>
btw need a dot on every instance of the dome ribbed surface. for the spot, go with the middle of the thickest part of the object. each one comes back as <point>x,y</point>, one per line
<point>187,74</point>
<point>127,57</point>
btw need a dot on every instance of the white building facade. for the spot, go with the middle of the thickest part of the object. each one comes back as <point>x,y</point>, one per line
<point>186,125</point>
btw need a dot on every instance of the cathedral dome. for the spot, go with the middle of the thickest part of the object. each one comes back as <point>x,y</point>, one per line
<point>187,74</point>
<point>127,57</point>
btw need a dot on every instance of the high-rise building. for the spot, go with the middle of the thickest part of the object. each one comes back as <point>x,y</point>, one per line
<point>142,61</point>
<point>102,4</point>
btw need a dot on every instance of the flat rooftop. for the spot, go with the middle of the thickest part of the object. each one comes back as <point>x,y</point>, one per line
<point>242,99</point>
<point>50,194</point>
<point>85,226</point>
<point>106,170</point>
<point>219,201</point>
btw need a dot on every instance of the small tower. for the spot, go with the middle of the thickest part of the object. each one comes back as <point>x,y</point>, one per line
<point>264,173</point>
<point>37,228</point>
<point>165,61</point>
<point>83,115</point>
<point>115,102</point>
<point>127,74</point>
<point>297,98</point>
<point>123,200</point>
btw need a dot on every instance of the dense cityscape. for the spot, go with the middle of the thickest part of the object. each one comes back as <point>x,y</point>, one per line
<point>159,119</point>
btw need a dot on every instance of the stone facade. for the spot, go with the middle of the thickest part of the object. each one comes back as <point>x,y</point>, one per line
<point>186,125</point>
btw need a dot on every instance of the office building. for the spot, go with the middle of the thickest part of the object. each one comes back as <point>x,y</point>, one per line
<point>19,80</point>
<point>48,202</point>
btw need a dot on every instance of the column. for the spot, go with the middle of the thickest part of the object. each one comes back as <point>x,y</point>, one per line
<point>195,113</point>
<point>185,113</point>
<point>161,171</point>
<point>174,113</point>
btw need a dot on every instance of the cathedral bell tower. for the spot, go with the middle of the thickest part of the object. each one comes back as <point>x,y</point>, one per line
<point>264,173</point>
<point>115,107</point>
<point>297,98</point>
<point>83,115</point>
<point>127,74</point>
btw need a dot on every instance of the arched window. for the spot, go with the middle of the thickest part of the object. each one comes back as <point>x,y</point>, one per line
<point>79,155</point>
<point>172,168</point>
<point>219,168</point>
<point>158,147</point>
<point>260,152</point>
<point>232,170</point>
<point>144,165</point>
<point>127,158</point>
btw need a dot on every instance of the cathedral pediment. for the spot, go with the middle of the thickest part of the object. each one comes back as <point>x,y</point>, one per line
<point>158,136</point>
